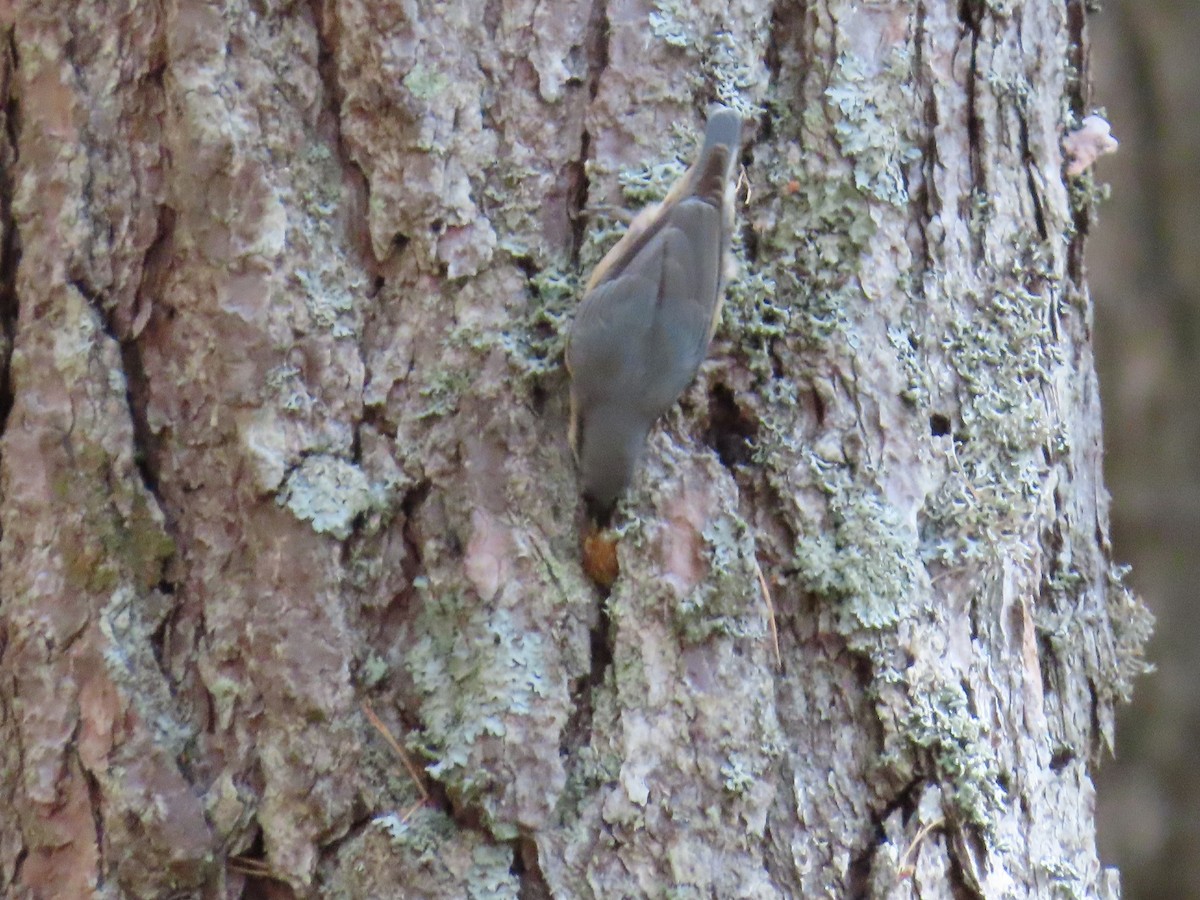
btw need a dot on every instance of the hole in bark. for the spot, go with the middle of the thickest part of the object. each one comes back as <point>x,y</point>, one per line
<point>1005,781</point>
<point>1062,758</point>
<point>262,882</point>
<point>863,673</point>
<point>905,801</point>
<point>730,431</point>
<point>818,406</point>
<point>538,398</point>
<point>750,242</point>
<point>939,425</point>
<point>414,498</point>
<point>529,269</point>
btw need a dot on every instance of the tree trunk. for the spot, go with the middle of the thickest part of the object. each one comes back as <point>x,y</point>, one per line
<point>285,466</point>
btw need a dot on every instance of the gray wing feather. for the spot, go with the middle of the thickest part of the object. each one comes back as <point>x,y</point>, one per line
<point>686,303</point>
<point>640,335</point>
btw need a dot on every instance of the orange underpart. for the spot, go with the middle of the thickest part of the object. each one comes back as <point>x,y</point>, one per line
<point>600,557</point>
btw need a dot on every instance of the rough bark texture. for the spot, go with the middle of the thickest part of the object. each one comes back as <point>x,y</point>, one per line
<point>285,290</point>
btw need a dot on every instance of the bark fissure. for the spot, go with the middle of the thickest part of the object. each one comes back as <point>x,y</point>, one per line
<point>578,197</point>
<point>96,801</point>
<point>596,42</point>
<point>963,884</point>
<point>333,97</point>
<point>1030,164</point>
<point>925,200</point>
<point>10,241</point>
<point>969,13</point>
<point>528,869</point>
<point>155,267</point>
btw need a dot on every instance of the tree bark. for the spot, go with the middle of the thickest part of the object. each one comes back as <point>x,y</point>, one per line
<point>285,468</point>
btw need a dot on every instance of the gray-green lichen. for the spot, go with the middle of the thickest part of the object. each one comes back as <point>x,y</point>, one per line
<point>941,723</point>
<point>374,670</point>
<point>1066,881</point>
<point>821,208</point>
<point>908,343</point>
<point>424,836</point>
<point>425,83</point>
<point>1086,193</point>
<point>1132,624</point>
<point>128,624</point>
<point>535,339</point>
<point>329,493</point>
<point>331,285</point>
<point>422,855</point>
<point>475,668</point>
<point>728,602</point>
<point>1003,350</point>
<point>731,63</point>
<point>870,123</point>
<point>1067,623</point>
<point>330,296</point>
<point>738,778</point>
<point>864,558</point>
<point>753,314</point>
<point>643,185</point>
<point>490,876</point>
<point>671,22</point>
<point>442,392</point>
<point>819,223</point>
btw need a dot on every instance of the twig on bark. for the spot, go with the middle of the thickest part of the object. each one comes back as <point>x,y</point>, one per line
<point>255,868</point>
<point>762,583</point>
<point>413,771</point>
<point>906,868</point>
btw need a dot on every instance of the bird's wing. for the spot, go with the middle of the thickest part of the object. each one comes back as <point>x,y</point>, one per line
<point>641,334</point>
<point>605,349</point>
<point>685,302</point>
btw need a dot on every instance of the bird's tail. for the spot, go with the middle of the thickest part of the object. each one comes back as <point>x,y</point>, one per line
<point>719,154</point>
<point>724,130</point>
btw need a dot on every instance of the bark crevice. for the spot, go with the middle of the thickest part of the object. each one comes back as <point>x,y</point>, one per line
<point>10,241</point>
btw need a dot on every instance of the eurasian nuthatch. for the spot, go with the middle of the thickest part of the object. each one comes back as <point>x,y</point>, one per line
<point>648,314</point>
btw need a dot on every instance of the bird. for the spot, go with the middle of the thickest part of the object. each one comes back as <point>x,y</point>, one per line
<point>648,314</point>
